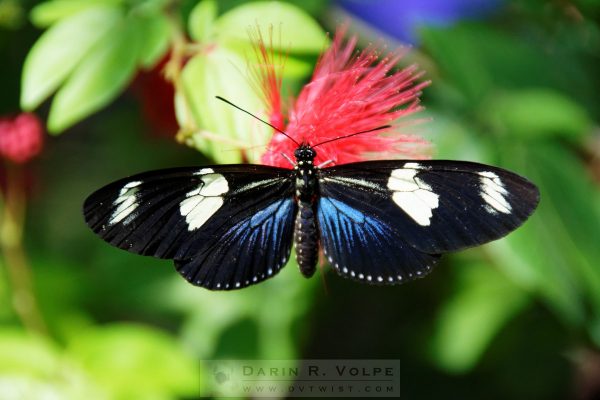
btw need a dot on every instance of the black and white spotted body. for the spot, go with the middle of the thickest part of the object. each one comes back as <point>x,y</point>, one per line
<point>306,239</point>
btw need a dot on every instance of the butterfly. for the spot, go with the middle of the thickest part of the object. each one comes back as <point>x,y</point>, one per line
<point>378,222</point>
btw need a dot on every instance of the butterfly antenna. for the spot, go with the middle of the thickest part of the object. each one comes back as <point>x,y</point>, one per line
<point>261,120</point>
<point>352,134</point>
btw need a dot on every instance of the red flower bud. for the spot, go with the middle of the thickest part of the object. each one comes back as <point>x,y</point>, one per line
<point>21,137</point>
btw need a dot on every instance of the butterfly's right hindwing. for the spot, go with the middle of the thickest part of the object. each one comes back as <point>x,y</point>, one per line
<point>226,227</point>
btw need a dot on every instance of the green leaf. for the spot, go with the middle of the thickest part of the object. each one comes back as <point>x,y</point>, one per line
<point>476,59</point>
<point>155,38</point>
<point>99,78</point>
<point>295,31</point>
<point>296,68</point>
<point>454,138</point>
<point>542,270</point>
<point>201,20</point>
<point>458,61</point>
<point>570,216</point>
<point>484,302</point>
<point>136,361</point>
<point>552,253</point>
<point>47,13</point>
<point>220,72</point>
<point>218,314</point>
<point>61,49</point>
<point>32,367</point>
<point>26,354</point>
<point>536,113</point>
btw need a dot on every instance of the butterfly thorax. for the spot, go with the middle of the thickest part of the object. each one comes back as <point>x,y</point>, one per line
<point>305,229</point>
<point>306,179</point>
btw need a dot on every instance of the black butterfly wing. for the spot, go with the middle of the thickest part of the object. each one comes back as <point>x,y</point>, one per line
<point>387,221</point>
<point>226,227</point>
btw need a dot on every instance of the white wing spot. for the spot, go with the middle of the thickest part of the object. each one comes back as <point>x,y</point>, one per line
<point>200,204</point>
<point>255,184</point>
<point>205,171</point>
<point>412,194</point>
<point>494,193</point>
<point>413,165</point>
<point>351,182</point>
<point>126,203</point>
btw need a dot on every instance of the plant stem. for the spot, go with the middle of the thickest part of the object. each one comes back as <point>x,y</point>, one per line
<point>15,259</point>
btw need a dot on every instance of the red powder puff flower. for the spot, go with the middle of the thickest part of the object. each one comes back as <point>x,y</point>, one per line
<point>21,137</point>
<point>349,92</point>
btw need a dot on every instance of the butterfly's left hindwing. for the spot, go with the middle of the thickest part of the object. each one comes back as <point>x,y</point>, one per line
<point>225,226</point>
<point>390,219</point>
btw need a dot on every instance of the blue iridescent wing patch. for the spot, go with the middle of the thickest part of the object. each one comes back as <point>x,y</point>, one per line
<point>245,251</point>
<point>365,248</point>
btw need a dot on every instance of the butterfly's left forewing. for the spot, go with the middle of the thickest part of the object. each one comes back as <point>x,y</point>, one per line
<point>226,226</point>
<point>387,221</point>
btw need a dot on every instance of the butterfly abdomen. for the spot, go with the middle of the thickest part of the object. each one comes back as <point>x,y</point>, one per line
<point>306,239</point>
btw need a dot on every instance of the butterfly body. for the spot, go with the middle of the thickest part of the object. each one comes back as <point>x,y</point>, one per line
<point>379,222</point>
<point>306,234</point>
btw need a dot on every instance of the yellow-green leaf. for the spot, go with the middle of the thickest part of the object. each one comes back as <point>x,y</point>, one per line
<point>537,113</point>
<point>469,320</point>
<point>155,38</point>
<point>99,78</point>
<point>60,49</point>
<point>201,20</point>
<point>220,72</point>
<point>295,30</point>
<point>50,12</point>
<point>137,362</point>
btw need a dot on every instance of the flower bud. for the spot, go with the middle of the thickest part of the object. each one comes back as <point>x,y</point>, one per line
<point>21,137</point>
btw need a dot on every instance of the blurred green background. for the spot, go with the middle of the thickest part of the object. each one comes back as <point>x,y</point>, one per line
<point>514,84</point>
